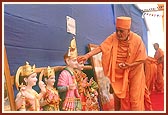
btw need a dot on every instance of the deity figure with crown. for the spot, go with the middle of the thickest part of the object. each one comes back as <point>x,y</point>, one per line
<point>27,98</point>
<point>92,103</point>
<point>87,89</point>
<point>67,84</point>
<point>82,83</point>
<point>51,99</point>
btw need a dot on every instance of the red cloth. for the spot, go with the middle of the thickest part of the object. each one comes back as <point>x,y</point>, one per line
<point>109,106</point>
<point>157,101</point>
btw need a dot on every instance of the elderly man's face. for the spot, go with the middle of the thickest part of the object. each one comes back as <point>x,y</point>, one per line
<point>122,34</point>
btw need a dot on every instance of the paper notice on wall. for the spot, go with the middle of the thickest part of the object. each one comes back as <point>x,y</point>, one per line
<point>71,26</point>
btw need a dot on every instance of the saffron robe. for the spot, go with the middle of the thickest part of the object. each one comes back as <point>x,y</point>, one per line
<point>130,81</point>
<point>150,73</point>
<point>159,86</point>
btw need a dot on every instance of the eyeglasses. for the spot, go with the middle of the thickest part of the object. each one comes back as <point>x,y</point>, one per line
<point>120,30</point>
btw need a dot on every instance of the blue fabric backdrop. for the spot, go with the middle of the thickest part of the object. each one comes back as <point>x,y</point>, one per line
<point>37,32</point>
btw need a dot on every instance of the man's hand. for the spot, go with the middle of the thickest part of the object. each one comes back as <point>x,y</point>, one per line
<point>82,58</point>
<point>127,65</point>
<point>124,65</point>
<point>160,60</point>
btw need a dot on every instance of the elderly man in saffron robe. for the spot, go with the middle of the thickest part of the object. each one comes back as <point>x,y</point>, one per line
<point>123,56</point>
<point>159,56</point>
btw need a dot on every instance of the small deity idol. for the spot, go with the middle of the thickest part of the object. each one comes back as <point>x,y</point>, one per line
<point>50,100</point>
<point>27,98</point>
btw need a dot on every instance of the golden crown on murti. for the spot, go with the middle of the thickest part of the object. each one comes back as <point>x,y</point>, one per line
<point>49,72</point>
<point>27,69</point>
<point>72,50</point>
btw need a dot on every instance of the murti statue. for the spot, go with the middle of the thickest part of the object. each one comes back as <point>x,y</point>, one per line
<point>67,85</point>
<point>82,83</point>
<point>87,90</point>
<point>92,103</point>
<point>51,99</point>
<point>27,98</point>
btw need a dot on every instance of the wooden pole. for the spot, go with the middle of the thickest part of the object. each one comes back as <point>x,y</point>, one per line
<point>8,82</point>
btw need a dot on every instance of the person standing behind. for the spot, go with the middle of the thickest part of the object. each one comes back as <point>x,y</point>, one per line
<point>150,73</point>
<point>123,56</point>
<point>159,56</point>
